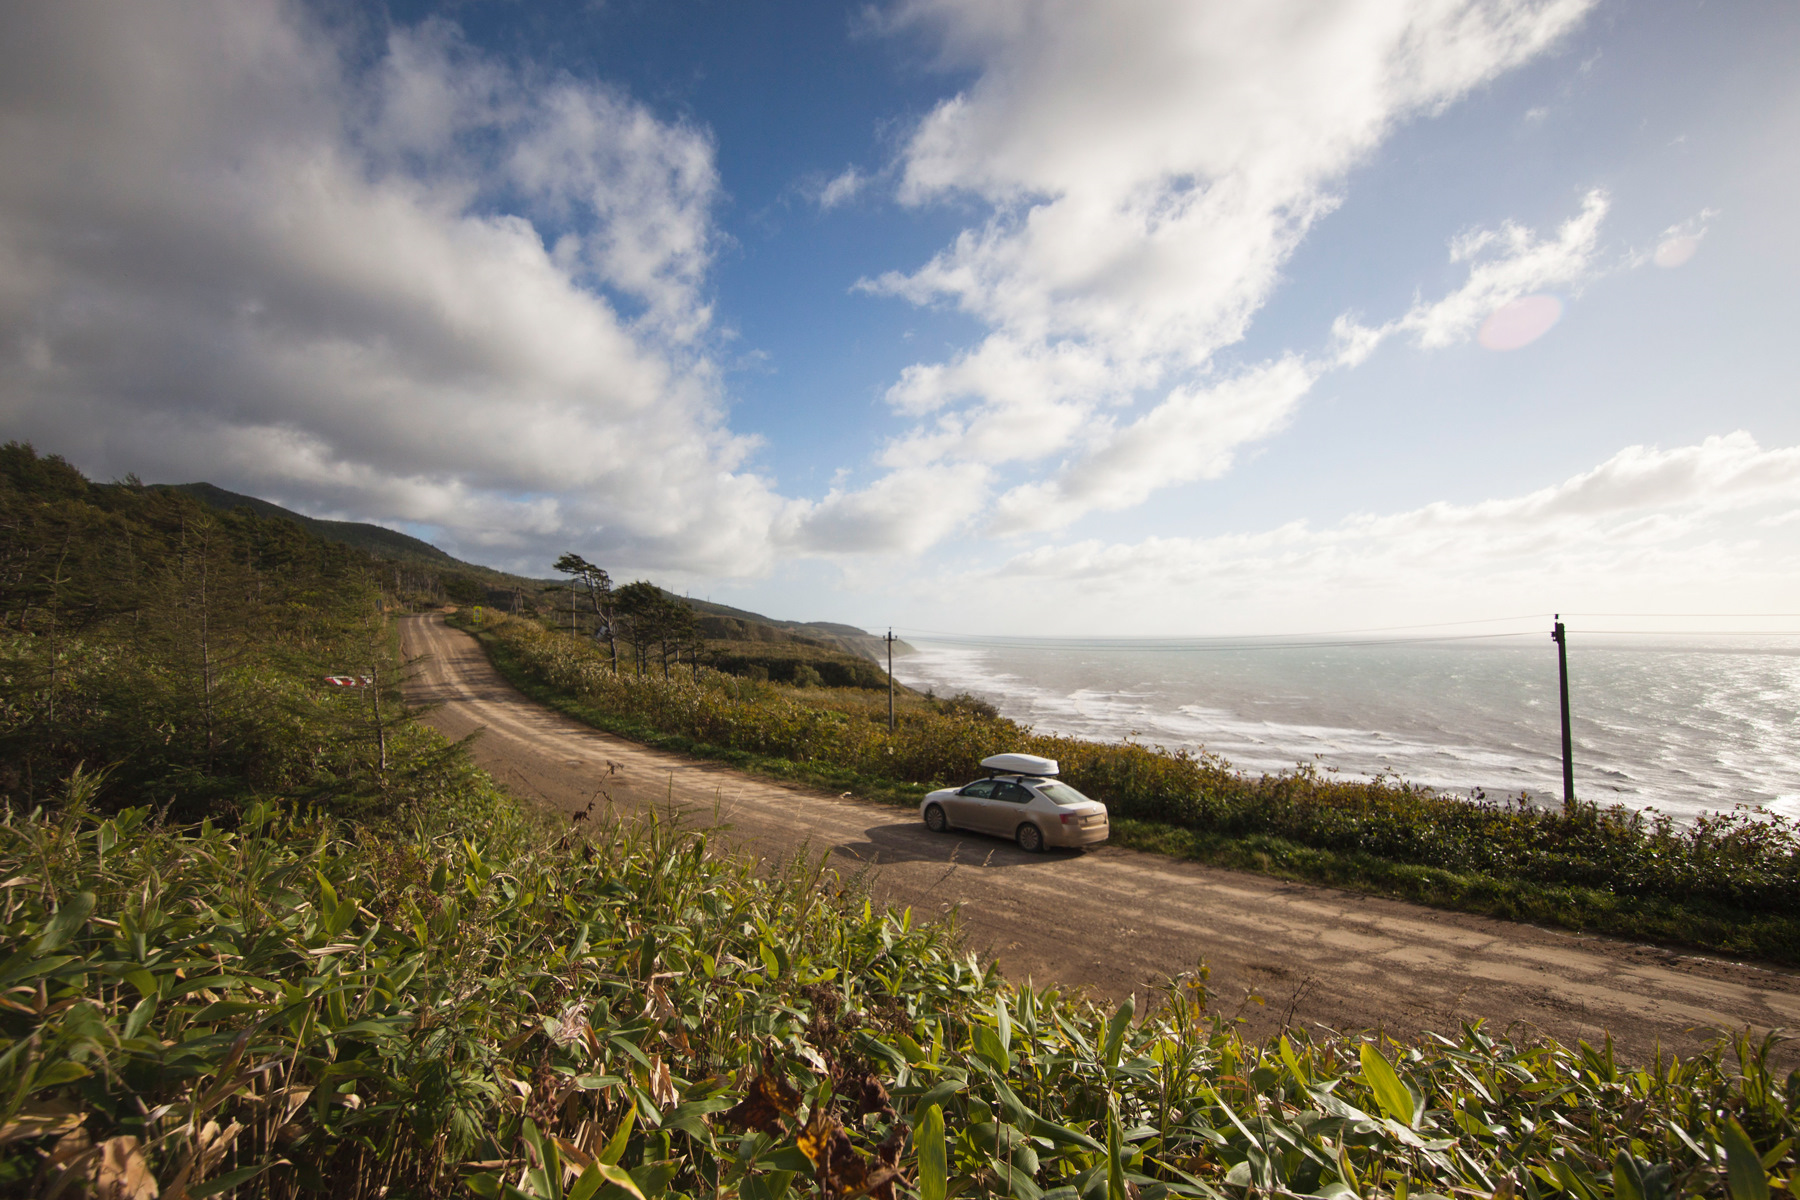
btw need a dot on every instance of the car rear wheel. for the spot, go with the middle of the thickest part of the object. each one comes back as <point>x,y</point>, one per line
<point>935,820</point>
<point>1031,838</point>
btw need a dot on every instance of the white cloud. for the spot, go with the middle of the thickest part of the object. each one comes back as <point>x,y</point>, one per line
<point>842,189</point>
<point>1146,169</point>
<point>905,512</point>
<point>1644,528</point>
<point>1193,434</point>
<point>1505,264</point>
<point>1525,264</point>
<point>1152,164</point>
<point>228,252</point>
<point>1674,251</point>
<point>1038,401</point>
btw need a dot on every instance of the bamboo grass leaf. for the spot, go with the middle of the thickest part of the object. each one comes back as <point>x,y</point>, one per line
<point>1628,1177</point>
<point>1115,1165</point>
<point>621,1138</point>
<point>933,1164</point>
<point>1744,1174</point>
<point>1292,1061</point>
<point>231,1179</point>
<point>987,1045</point>
<point>1116,1029</point>
<point>1390,1093</point>
<point>688,1118</point>
<point>942,1091</point>
<point>67,920</point>
<point>590,1181</point>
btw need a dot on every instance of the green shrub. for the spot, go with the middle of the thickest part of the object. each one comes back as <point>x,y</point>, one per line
<point>789,662</point>
<point>965,704</point>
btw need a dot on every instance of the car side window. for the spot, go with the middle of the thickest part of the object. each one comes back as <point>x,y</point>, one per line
<point>981,789</point>
<point>1013,793</point>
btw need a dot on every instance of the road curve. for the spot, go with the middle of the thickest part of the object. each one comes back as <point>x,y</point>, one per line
<point>1114,921</point>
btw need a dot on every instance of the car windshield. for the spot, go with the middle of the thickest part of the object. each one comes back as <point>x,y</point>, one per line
<point>1061,793</point>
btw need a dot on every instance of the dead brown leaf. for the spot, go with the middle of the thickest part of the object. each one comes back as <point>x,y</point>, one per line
<point>53,1119</point>
<point>872,1097</point>
<point>662,1088</point>
<point>123,1174</point>
<point>71,1158</point>
<point>842,1172</point>
<point>657,1005</point>
<point>213,1142</point>
<point>765,1102</point>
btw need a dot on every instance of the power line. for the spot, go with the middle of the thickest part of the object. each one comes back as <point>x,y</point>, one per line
<point>1320,642</point>
<point>1217,644</point>
<point>1697,632</point>
<point>1323,632</point>
<point>1696,616</point>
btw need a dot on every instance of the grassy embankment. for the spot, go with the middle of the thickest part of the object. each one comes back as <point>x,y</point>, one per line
<point>362,978</point>
<point>1728,883</point>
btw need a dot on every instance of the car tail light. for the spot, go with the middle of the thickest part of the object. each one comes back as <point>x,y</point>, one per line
<point>1068,818</point>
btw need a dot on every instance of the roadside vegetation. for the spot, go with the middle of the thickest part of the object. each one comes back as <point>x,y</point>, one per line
<point>1728,882</point>
<point>262,937</point>
<point>291,1006</point>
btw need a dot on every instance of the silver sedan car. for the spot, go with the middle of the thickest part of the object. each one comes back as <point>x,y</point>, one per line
<point>1032,810</point>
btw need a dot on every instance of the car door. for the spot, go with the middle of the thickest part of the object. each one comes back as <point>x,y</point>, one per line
<point>965,807</point>
<point>1005,809</point>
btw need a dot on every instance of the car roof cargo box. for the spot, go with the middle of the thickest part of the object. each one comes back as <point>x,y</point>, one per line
<point>1020,764</point>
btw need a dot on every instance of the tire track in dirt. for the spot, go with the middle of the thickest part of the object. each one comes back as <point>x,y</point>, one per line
<point>1114,921</point>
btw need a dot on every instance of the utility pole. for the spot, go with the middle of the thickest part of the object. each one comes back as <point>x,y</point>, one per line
<point>374,689</point>
<point>890,650</point>
<point>1560,636</point>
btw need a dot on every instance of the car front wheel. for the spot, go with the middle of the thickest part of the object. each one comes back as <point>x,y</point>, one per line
<point>935,820</point>
<point>1031,838</point>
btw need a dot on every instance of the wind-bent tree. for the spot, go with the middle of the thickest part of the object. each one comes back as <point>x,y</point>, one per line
<point>600,595</point>
<point>637,605</point>
<point>652,617</point>
<point>695,641</point>
<point>676,626</point>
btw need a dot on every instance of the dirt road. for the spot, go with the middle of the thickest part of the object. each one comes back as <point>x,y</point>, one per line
<point>1114,921</point>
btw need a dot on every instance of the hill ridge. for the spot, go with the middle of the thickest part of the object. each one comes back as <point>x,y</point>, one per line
<point>382,542</point>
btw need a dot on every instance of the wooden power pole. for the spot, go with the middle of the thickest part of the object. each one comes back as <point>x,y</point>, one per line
<point>1560,636</point>
<point>890,650</point>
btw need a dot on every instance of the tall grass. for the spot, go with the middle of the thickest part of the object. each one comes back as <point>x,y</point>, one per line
<point>1728,881</point>
<point>299,1007</point>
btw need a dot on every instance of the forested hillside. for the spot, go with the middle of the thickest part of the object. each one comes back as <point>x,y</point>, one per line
<point>426,572</point>
<point>183,651</point>
<point>376,539</point>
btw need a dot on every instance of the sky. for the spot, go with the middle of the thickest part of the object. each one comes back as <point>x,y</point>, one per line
<point>1161,317</point>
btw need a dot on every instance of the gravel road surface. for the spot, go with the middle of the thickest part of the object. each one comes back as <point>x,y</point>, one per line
<point>1115,921</point>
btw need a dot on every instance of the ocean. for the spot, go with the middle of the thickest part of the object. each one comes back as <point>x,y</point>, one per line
<point>1680,725</point>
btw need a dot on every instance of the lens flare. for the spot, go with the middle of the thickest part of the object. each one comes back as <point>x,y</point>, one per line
<point>1520,323</point>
